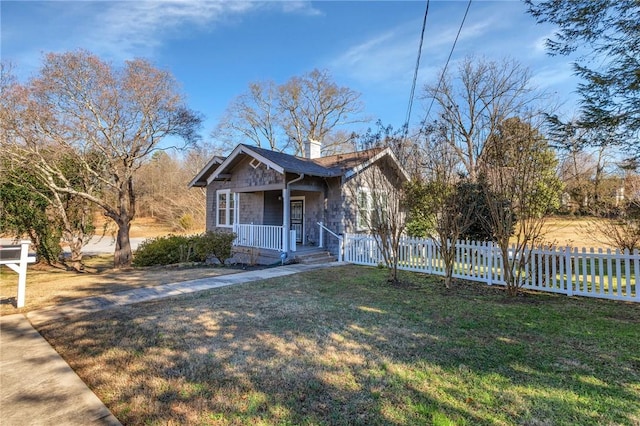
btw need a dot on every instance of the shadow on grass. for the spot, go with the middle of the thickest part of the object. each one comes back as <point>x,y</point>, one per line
<point>54,286</point>
<point>338,347</point>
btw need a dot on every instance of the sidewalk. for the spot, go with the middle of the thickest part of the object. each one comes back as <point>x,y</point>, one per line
<point>37,387</point>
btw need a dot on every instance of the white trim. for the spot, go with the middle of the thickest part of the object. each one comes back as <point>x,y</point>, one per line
<point>215,160</point>
<point>241,149</point>
<point>236,210</point>
<point>228,209</point>
<point>304,214</point>
<point>375,158</point>
<point>369,209</point>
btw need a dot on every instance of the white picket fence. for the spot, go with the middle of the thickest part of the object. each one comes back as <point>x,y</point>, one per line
<point>607,274</point>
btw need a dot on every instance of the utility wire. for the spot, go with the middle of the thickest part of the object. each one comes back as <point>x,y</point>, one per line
<point>444,70</point>
<point>415,73</point>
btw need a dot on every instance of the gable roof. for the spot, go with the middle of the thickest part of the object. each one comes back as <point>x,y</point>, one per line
<point>339,165</point>
<point>351,163</point>
<point>348,160</point>
<point>201,178</point>
<point>292,164</point>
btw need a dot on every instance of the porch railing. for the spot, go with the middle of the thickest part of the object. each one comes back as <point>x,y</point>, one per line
<point>260,236</point>
<point>267,237</point>
<point>339,237</point>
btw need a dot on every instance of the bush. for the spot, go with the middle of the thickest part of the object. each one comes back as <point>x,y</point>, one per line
<point>178,249</point>
<point>216,244</point>
<point>165,251</point>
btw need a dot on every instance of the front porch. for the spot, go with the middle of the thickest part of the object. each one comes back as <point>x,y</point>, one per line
<point>282,220</point>
<point>264,244</point>
<point>267,237</point>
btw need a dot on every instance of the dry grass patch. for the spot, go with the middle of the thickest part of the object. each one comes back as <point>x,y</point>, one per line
<point>574,232</point>
<point>340,346</point>
<point>54,285</point>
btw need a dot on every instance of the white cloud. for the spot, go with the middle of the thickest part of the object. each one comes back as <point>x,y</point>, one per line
<point>300,7</point>
<point>553,76</point>
<point>539,45</point>
<point>115,30</point>
<point>125,29</point>
<point>390,55</point>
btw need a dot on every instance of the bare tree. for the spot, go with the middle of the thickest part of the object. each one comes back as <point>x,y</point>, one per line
<point>108,120</point>
<point>162,184</point>
<point>521,187</point>
<point>440,204</point>
<point>475,101</point>
<point>622,232</point>
<point>253,117</point>
<point>283,117</point>
<point>379,193</point>
<point>586,164</point>
<point>313,106</point>
<point>621,228</point>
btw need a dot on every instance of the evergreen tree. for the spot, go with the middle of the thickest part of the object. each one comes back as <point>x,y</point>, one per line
<point>606,36</point>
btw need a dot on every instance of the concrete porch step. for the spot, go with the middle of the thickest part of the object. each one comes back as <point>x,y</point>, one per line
<point>314,257</point>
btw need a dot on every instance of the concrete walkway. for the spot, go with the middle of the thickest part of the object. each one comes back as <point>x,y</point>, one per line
<point>37,387</point>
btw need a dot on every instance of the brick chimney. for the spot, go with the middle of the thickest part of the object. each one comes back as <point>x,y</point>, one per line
<point>312,149</point>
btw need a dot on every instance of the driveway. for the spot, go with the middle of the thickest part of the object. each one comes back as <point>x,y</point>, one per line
<point>97,245</point>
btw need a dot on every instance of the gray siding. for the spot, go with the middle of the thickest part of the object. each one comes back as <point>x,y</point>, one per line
<point>272,208</point>
<point>380,177</point>
<point>251,207</point>
<point>212,203</point>
<point>333,213</point>
<point>245,176</point>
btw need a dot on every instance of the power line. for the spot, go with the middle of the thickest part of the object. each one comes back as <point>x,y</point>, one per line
<point>444,70</point>
<point>415,73</point>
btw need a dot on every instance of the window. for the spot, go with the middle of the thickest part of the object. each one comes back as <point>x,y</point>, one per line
<point>365,208</point>
<point>372,209</point>
<point>226,208</point>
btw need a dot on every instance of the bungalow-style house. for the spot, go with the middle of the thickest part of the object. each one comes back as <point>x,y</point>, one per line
<point>258,193</point>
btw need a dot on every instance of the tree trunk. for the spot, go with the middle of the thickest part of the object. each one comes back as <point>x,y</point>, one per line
<point>448,250</point>
<point>448,272</point>
<point>394,273</point>
<point>75,246</point>
<point>509,274</point>
<point>122,257</point>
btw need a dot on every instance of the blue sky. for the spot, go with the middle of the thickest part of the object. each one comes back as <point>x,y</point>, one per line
<point>215,49</point>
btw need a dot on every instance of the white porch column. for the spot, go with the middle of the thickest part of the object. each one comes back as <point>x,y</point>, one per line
<point>286,214</point>
<point>236,208</point>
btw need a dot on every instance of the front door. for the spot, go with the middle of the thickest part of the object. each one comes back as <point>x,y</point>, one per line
<point>297,218</point>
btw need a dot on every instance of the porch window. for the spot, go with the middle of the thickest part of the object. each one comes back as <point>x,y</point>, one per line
<point>226,208</point>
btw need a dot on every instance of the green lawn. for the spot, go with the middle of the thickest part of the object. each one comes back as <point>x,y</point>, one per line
<point>341,346</point>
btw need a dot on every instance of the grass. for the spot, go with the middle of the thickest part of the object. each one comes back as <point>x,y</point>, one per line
<point>51,286</point>
<point>573,231</point>
<point>340,346</point>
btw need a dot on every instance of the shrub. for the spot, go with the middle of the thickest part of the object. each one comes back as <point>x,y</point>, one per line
<point>177,249</point>
<point>216,244</point>
<point>165,251</point>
